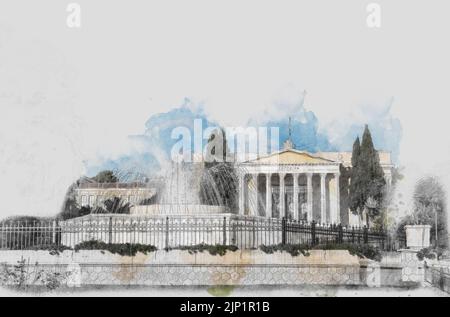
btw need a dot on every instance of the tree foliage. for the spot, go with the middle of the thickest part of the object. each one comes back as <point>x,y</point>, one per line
<point>71,210</point>
<point>115,206</point>
<point>429,203</point>
<point>367,184</point>
<point>356,194</point>
<point>218,184</point>
<point>106,177</point>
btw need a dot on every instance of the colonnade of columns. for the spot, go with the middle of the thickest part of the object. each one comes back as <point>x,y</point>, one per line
<point>334,215</point>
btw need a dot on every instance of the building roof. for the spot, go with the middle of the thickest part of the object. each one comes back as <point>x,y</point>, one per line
<point>291,156</point>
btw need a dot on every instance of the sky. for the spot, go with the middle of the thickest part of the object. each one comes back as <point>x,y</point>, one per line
<point>71,97</point>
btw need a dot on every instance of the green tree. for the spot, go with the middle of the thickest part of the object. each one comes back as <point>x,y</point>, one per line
<point>71,210</point>
<point>218,184</point>
<point>367,188</point>
<point>355,190</point>
<point>430,208</point>
<point>106,177</point>
<point>115,206</point>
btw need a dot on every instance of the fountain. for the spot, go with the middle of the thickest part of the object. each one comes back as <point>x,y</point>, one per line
<point>180,193</point>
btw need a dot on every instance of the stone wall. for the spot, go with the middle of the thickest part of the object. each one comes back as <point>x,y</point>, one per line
<point>246,267</point>
<point>177,267</point>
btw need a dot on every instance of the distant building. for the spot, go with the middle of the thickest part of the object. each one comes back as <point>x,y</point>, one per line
<point>288,183</point>
<point>301,185</point>
<point>95,194</point>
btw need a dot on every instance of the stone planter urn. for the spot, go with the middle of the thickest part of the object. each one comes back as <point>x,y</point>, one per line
<point>417,236</point>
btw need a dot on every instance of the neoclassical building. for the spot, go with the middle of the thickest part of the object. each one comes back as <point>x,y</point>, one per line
<point>311,186</point>
<point>95,194</point>
<point>288,183</point>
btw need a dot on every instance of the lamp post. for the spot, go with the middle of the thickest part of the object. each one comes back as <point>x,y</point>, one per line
<point>435,204</point>
<point>436,226</point>
<point>436,222</point>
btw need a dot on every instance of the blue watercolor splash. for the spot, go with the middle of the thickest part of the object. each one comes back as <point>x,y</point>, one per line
<point>304,133</point>
<point>385,129</point>
<point>386,133</point>
<point>156,140</point>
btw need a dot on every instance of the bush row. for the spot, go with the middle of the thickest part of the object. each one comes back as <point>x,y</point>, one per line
<point>360,250</point>
<point>129,249</point>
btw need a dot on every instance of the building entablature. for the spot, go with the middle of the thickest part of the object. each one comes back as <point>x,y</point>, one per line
<point>245,168</point>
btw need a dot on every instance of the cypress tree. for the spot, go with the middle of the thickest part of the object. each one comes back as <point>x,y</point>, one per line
<point>356,152</point>
<point>370,162</point>
<point>367,185</point>
<point>219,183</point>
<point>355,187</point>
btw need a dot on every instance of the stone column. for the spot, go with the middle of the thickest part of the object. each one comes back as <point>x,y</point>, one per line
<point>323,198</point>
<point>295,177</point>
<point>310,196</point>
<point>282,198</point>
<point>241,193</point>
<point>337,216</point>
<point>268,195</point>
<point>255,182</point>
<point>388,179</point>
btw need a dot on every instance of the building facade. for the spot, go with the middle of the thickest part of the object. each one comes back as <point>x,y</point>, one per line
<point>95,194</point>
<point>289,183</point>
<point>300,185</point>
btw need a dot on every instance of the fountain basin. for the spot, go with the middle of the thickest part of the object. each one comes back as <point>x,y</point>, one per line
<point>169,209</point>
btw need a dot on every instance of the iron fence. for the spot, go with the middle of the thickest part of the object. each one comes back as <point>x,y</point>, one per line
<point>312,233</point>
<point>17,235</point>
<point>438,276</point>
<point>177,231</point>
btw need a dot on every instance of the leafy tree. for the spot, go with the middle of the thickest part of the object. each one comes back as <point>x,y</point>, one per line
<point>71,210</point>
<point>85,210</point>
<point>28,219</point>
<point>370,165</point>
<point>115,206</point>
<point>149,201</point>
<point>430,207</point>
<point>367,187</point>
<point>219,183</point>
<point>106,177</point>
<point>356,195</point>
<point>110,206</point>
<point>356,152</point>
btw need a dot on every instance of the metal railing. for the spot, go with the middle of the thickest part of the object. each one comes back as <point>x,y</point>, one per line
<point>177,231</point>
<point>438,276</point>
<point>312,233</point>
<point>19,235</point>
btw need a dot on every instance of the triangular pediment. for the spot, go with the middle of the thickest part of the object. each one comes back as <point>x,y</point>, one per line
<point>291,157</point>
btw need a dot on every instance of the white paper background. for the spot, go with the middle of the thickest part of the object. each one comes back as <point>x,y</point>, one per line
<point>71,95</point>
